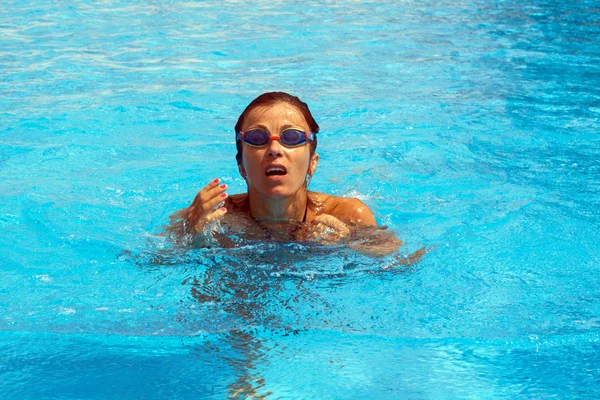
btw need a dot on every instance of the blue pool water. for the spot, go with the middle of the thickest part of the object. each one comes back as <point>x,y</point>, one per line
<point>469,126</point>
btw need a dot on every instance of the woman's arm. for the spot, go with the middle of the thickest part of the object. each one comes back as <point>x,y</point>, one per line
<point>351,221</point>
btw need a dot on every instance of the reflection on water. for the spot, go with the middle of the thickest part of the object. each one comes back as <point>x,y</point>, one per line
<point>281,287</point>
<point>244,356</point>
<point>275,284</point>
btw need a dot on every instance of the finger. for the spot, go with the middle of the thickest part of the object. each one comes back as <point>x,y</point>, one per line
<point>331,221</point>
<point>414,257</point>
<point>314,232</point>
<point>205,192</point>
<point>214,202</point>
<point>323,233</point>
<point>210,218</point>
<point>216,215</point>
<point>319,229</point>
<point>208,199</point>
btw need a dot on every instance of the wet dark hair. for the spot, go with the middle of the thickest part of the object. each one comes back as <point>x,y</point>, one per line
<point>268,99</point>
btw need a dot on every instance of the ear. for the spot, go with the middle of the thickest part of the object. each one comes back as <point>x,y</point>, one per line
<point>242,171</point>
<point>312,164</point>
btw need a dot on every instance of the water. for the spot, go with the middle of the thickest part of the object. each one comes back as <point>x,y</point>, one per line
<point>469,126</point>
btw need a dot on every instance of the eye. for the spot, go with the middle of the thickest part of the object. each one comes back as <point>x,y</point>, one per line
<point>257,136</point>
<point>292,136</point>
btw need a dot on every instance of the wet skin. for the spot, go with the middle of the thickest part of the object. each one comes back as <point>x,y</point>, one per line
<point>279,201</point>
<point>276,207</point>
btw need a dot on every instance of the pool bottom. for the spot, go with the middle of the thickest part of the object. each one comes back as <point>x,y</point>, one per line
<point>305,364</point>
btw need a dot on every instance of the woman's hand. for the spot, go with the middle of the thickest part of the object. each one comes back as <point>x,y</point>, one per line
<point>203,211</point>
<point>326,228</point>
<point>403,261</point>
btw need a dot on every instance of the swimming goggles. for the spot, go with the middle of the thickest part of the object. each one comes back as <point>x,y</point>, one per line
<point>288,138</point>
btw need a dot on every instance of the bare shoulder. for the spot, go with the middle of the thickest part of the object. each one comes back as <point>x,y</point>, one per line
<point>237,203</point>
<point>347,209</point>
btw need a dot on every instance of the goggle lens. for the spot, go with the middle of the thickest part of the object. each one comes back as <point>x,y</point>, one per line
<point>292,137</point>
<point>257,137</point>
<point>288,138</point>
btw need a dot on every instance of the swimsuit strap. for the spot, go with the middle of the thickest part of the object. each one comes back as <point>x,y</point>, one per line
<point>305,211</point>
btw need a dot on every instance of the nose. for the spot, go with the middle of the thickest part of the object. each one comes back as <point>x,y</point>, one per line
<point>274,148</point>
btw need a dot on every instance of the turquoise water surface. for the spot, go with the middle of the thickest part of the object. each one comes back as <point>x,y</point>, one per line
<point>471,127</point>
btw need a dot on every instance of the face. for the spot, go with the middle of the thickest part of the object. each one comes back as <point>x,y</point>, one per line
<point>276,171</point>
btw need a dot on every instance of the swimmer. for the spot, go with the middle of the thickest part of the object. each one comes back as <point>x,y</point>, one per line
<point>276,139</point>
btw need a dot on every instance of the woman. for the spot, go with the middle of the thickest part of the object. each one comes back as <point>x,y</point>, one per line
<point>276,138</point>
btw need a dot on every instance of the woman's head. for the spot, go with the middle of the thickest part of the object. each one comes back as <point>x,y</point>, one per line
<point>276,169</point>
<point>269,99</point>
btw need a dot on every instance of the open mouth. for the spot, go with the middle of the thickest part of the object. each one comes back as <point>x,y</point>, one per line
<point>275,170</point>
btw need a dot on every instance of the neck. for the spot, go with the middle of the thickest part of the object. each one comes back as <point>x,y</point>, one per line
<point>285,209</point>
